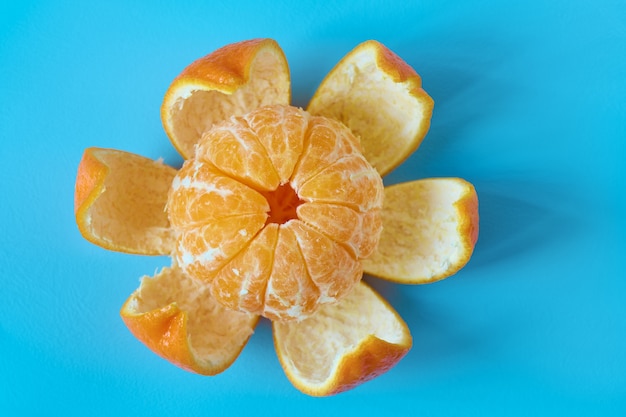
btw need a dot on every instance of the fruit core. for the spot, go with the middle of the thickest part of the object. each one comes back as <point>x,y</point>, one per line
<point>283,202</point>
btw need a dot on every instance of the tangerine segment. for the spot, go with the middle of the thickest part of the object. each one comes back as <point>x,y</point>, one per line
<point>380,98</point>
<point>290,293</point>
<point>203,250</point>
<point>230,81</point>
<point>236,150</point>
<point>350,181</point>
<point>119,202</point>
<point>332,268</point>
<point>359,232</point>
<point>280,130</point>
<point>430,229</point>
<point>240,284</point>
<point>326,141</point>
<point>200,193</point>
<point>343,344</point>
<point>176,318</point>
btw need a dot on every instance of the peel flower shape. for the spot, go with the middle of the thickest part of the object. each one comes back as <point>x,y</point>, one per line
<point>277,212</point>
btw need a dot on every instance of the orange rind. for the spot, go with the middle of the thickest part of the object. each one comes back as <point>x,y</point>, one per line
<point>431,227</point>
<point>231,81</point>
<point>119,202</point>
<point>380,98</point>
<point>177,319</point>
<point>343,345</point>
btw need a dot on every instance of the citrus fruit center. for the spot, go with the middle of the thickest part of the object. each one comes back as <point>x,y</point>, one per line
<point>275,212</point>
<point>283,202</point>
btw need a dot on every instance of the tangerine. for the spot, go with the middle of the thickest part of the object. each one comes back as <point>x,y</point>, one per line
<point>275,211</point>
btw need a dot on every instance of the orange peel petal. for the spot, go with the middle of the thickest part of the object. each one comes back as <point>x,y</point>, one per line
<point>231,81</point>
<point>380,98</point>
<point>120,199</point>
<point>430,228</point>
<point>176,318</point>
<point>342,345</point>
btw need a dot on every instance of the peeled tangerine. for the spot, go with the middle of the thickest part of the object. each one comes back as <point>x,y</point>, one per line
<point>275,212</point>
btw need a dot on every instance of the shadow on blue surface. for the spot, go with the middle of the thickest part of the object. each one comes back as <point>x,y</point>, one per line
<point>511,226</point>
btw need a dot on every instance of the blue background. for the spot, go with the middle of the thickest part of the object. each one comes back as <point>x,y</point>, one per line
<point>530,107</point>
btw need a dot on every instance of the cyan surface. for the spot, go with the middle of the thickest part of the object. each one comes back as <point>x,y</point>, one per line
<point>529,107</point>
